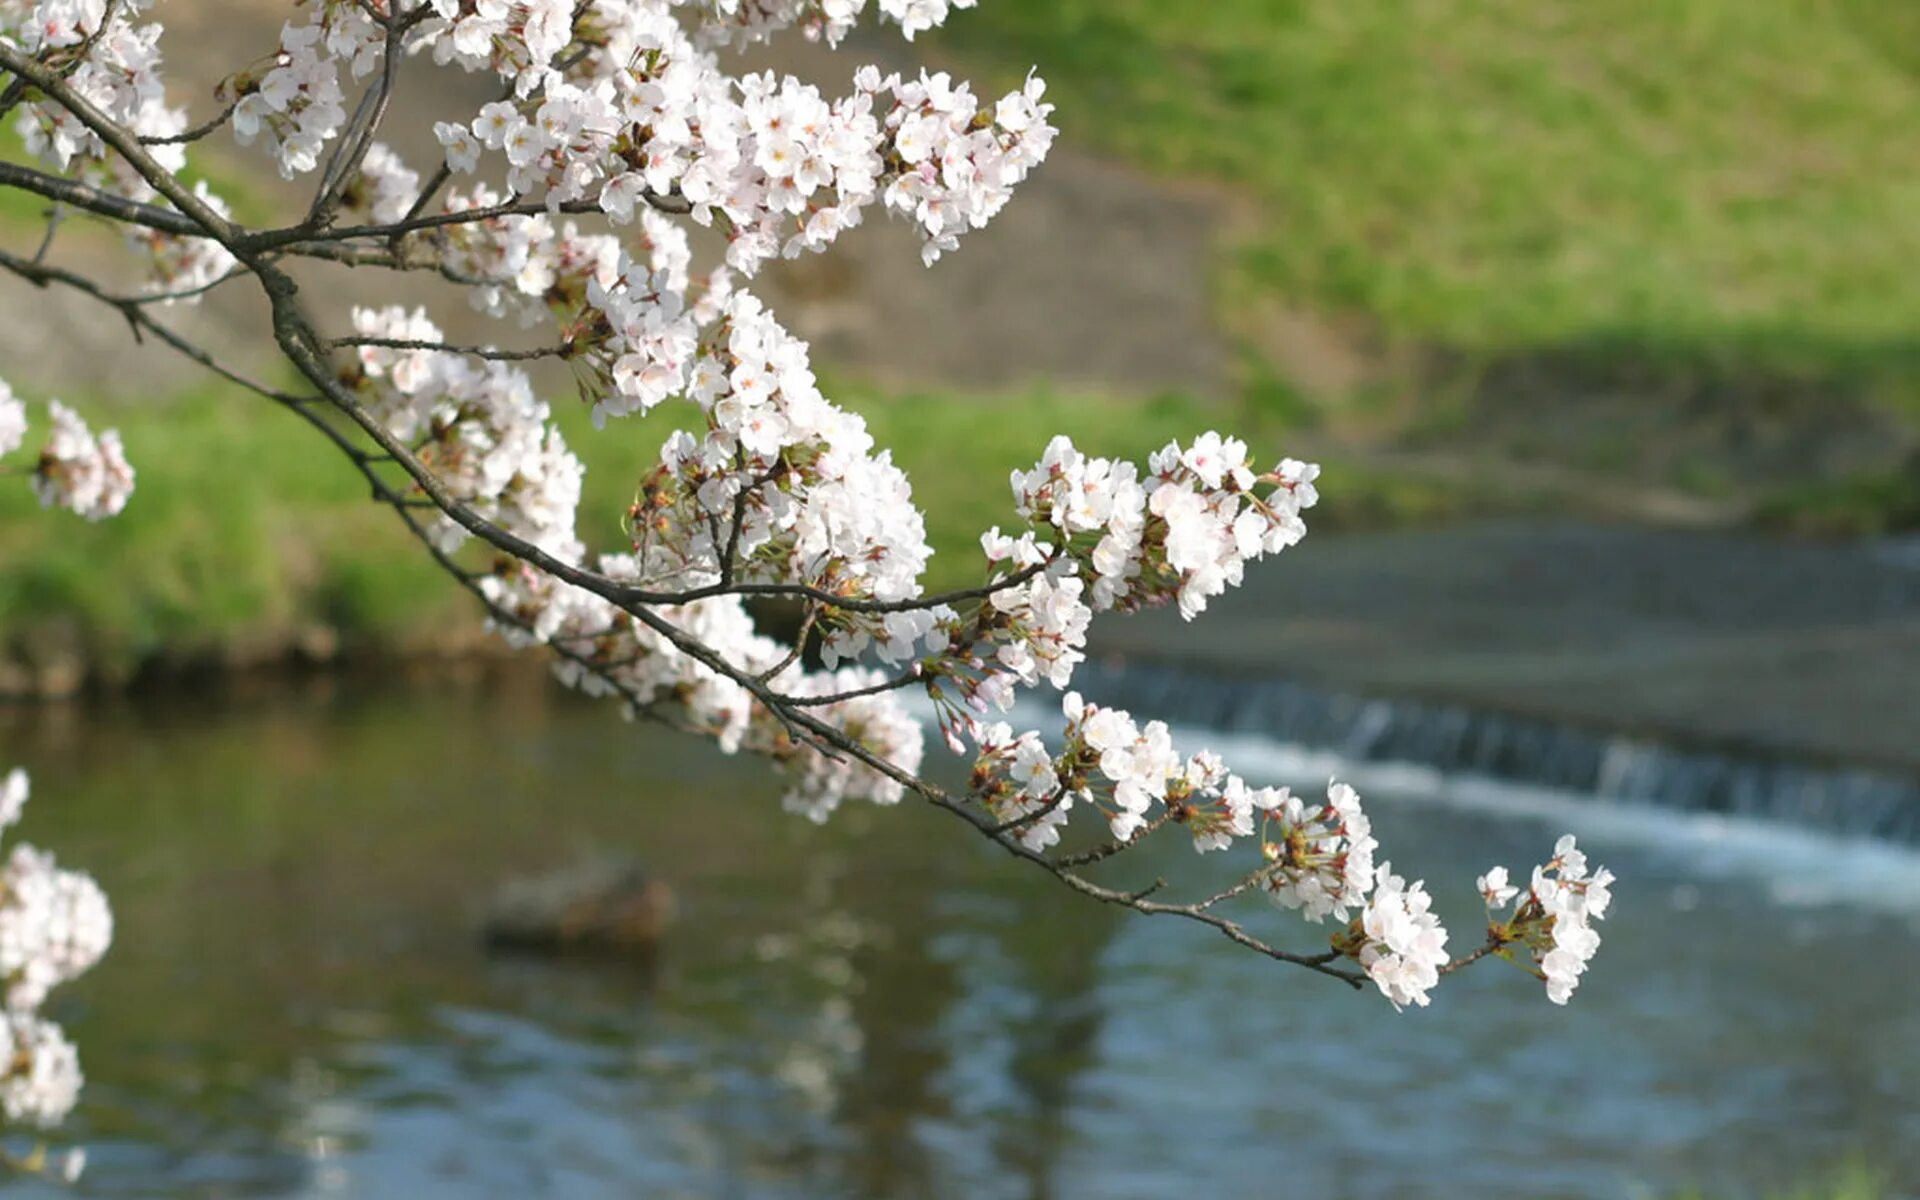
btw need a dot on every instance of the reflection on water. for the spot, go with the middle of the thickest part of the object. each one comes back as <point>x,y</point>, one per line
<point>297,1004</point>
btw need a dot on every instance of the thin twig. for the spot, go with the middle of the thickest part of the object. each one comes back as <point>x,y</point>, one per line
<point>561,351</point>
<point>197,132</point>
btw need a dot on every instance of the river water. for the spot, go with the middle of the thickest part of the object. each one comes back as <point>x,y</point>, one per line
<point>297,1003</point>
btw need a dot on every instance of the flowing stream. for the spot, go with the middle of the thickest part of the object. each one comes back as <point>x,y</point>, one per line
<point>297,1003</point>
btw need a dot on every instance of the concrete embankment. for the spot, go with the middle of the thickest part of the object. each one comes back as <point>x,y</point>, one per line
<point>1713,639</point>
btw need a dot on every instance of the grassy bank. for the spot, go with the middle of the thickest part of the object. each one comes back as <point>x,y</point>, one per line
<point>243,527</point>
<point>1517,173</point>
<point>1513,208</point>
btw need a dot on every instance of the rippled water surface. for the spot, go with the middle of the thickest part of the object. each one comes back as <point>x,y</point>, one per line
<point>297,1004</point>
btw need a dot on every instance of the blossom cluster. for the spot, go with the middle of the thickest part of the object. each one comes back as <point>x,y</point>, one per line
<point>646,113</point>
<point>1184,531</point>
<point>1104,537</point>
<point>119,74</point>
<point>76,470</point>
<point>607,652</point>
<point>1016,780</point>
<point>383,189</point>
<point>1319,855</point>
<point>516,38</point>
<point>530,268</point>
<point>1317,858</point>
<point>476,423</point>
<point>295,103</point>
<point>784,487</point>
<point>1397,939</point>
<point>1128,772</point>
<point>958,165</point>
<point>54,925</point>
<point>1554,918</point>
<point>644,327</point>
<point>182,267</point>
<point>743,22</point>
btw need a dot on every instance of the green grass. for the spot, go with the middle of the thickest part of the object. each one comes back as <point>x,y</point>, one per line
<point>1863,505</point>
<point>1703,179</point>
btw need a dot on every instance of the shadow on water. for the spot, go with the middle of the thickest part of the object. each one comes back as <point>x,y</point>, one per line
<point>297,1003</point>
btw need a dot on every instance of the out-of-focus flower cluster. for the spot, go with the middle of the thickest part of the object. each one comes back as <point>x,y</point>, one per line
<point>13,420</point>
<point>114,65</point>
<point>77,470</point>
<point>89,475</point>
<point>54,925</point>
<point>743,22</point>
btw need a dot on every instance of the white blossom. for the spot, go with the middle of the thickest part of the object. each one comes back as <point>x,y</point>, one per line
<point>54,925</point>
<point>1495,889</point>
<point>1554,916</point>
<point>13,421</point>
<point>386,187</point>
<point>1320,855</point>
<point>79,472</point>
<point>1398,940</point>
<point>40,1079</point>
<point>13,796</point>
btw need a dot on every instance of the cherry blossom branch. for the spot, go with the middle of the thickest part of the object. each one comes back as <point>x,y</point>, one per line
<point>799,648</point>
<point>296,345</point>
<point>1493,946</point>
<point>300,343</point>
<point>782,494</point>
<point>117,136</point>
<point>1106,850</point>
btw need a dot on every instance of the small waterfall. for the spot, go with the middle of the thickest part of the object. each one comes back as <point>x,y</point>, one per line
<point>1606,768</point>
